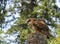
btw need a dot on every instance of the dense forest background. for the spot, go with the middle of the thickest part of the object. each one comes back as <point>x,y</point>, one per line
<point>13,14</point>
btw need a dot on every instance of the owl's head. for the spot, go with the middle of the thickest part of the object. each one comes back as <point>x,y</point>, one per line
<point>30,21</point>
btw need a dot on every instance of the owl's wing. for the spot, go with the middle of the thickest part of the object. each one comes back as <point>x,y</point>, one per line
<point>41,25</point>
<point>43,28</point>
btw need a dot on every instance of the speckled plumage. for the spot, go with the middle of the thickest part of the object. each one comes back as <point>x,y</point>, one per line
<point>39,26</point>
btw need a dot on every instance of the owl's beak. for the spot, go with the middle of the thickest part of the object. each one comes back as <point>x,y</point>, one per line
<point>26,22</point>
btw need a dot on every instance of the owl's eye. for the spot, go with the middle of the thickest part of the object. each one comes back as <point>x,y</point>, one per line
<point>28,21</point>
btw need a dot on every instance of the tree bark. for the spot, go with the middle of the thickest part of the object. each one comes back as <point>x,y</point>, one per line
<point>36,38</point>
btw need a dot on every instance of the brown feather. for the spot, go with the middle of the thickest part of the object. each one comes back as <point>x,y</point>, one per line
<point>39,26</point>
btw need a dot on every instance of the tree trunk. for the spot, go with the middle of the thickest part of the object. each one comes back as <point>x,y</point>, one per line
<point>36,38</point>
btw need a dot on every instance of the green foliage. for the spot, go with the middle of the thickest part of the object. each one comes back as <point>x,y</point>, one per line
<point>1,31</point>
<point>2,11</point>
<point>46,10</point>
<point>57,39</point>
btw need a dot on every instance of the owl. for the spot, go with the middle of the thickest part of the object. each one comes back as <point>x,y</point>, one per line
<point>39,26</point>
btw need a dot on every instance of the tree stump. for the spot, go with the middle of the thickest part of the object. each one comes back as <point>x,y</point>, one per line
<point>36,38</point>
